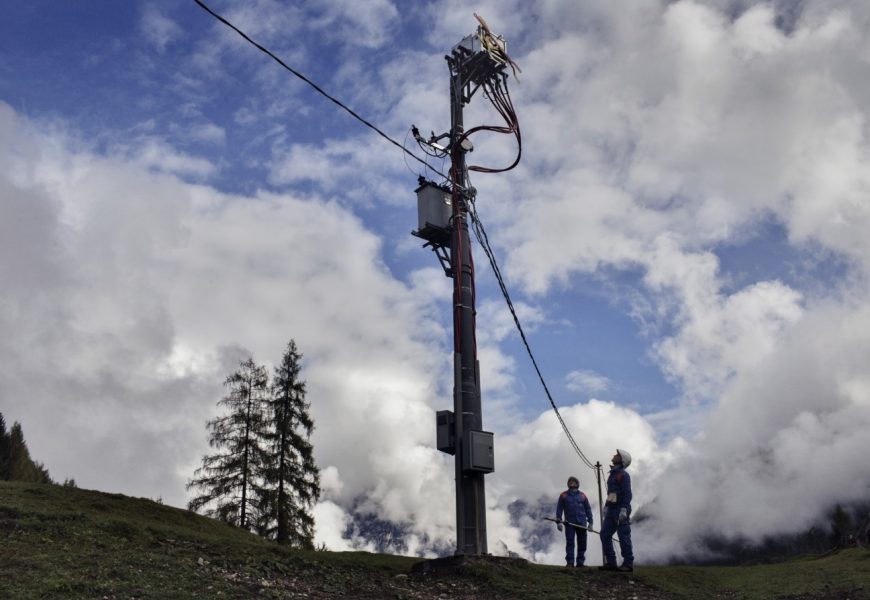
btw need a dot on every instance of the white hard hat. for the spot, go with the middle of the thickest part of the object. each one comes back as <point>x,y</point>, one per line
<point>626,457</point>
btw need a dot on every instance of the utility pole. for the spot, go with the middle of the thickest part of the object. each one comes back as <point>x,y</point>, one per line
<point>470,492</point>
<point>478,60</point>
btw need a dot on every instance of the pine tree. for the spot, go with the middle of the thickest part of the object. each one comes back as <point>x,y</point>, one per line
<point>5,450</point>
<point>15,461</point>
<point>227,479</point>
<point>291,480</point>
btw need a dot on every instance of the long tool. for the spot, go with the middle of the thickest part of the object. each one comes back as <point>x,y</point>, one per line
<point>578,526</point>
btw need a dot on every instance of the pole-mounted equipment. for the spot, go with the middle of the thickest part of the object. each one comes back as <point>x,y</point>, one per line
<point>479,61</point>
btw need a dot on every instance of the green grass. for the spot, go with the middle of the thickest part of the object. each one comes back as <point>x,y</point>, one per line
<point>845,574</point>
<point>73,543</point>
<point>58,542</point>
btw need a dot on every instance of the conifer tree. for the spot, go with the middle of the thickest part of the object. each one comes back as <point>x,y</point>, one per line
<point>15,461</point>
<point>227,479</point>
<point>291,480</point>
<point>5,449</point>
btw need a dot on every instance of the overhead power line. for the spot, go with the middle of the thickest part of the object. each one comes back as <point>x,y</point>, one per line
<point>320,90</point>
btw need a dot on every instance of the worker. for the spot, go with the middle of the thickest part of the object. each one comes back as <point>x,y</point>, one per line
<point>617,514</point>
<point>578,515</point>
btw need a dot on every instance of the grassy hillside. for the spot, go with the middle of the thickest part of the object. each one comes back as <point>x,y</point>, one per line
<point>72,543</point>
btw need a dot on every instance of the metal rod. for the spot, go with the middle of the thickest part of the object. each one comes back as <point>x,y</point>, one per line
<point>600,502</point>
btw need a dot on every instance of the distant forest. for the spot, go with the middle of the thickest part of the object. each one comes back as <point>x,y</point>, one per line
<point>15,461</point>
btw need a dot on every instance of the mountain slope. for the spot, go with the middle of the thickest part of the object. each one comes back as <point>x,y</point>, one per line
<point>66,542</point>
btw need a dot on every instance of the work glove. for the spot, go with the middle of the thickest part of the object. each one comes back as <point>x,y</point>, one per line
<point>623,516</point>
<point>559,526</point>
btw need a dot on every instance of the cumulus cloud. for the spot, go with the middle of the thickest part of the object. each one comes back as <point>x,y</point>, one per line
<point>680,128</point>
<point>142,292</point>
<point>586,381</point>
<point>776,453</point>
<point>718,334</point>
<point>693,124</point>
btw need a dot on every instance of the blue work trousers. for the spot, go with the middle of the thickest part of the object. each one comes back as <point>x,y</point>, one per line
<point>623,532</point>
<point>570,534</point>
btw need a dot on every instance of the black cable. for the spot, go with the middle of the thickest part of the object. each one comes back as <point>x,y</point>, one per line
<point>404,157</point>
<point>430,167</point>
<point>314,85</point>
<point>483,240</point>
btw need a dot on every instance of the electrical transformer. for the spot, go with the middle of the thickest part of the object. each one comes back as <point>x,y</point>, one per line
<point>434,206</point>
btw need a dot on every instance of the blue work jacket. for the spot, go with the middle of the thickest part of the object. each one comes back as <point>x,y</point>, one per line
<point>575,505</point>
<point>618,483</point>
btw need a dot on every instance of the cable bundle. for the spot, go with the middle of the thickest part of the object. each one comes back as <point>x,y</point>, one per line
<point>496,91</point>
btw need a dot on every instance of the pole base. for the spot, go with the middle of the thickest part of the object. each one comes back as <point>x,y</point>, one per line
<point>458,562</point>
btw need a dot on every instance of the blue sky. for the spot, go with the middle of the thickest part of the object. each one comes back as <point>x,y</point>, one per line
<point>685,239</point>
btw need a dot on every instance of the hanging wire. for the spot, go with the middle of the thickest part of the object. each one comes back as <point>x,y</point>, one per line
<point>320,90</point>
<point>496,92</point>
<point>483,240</point>
<point>428,166</point>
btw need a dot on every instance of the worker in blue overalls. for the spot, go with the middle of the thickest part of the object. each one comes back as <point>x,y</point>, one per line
<point>578,514</point>
<point>617,514</point>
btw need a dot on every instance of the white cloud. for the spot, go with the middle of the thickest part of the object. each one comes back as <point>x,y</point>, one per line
<point>208,132</point>
<point>156,154</point>
<point>718,334</point>
<point>677,128</point>
<point>365,23</point>
<point>349,168</point>
<point>331,521</point>
<point>147,282</point>
<point>773,457</point>
<point>159,29</point>
<point>690,129</point>
<point>587,381</point>
<point>268,20</point>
